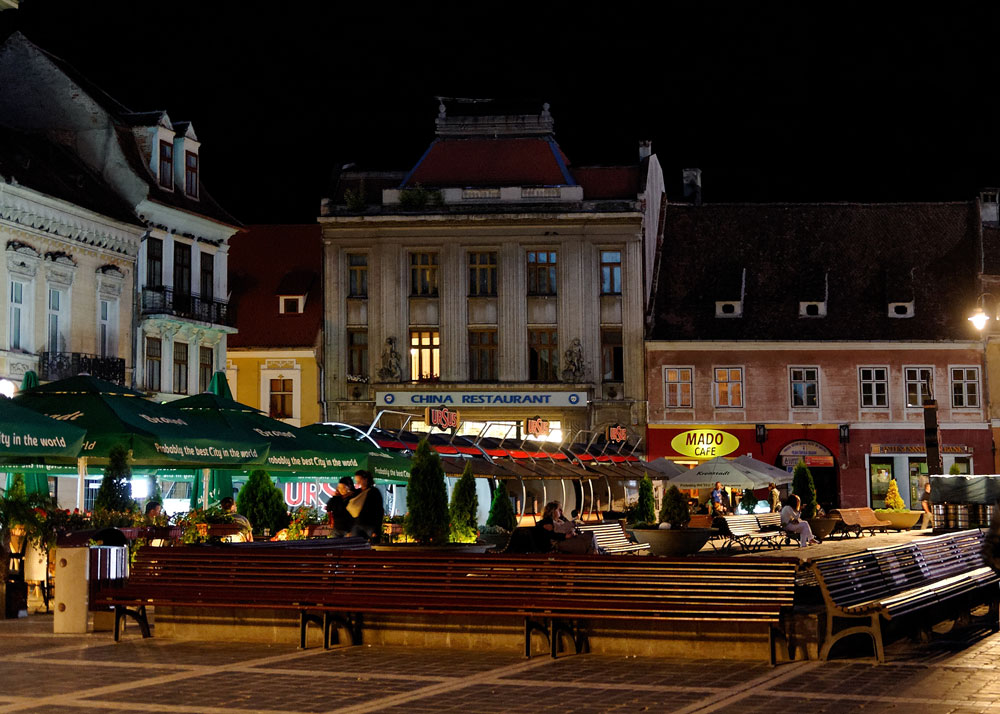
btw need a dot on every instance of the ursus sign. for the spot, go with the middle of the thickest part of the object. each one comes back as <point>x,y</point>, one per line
<point>705,443</point>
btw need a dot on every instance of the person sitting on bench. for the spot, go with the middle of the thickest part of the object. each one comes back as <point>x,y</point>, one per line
<point>366,507</point>
<point>336,508</point>
<point>791,521</point>
<point>571,542</point>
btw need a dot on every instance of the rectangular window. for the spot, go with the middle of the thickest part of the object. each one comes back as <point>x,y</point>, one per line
<point>482,355</point>
<point>541,272</point>
<point>424,274</point>
<point>104,329</point>
<point>874,387</point>
<point>805,387</point>
<point>55,344</point>
<point>290,305</point>
<point>191,174</point>
<point>357,353</point>
<point>154,262</point>
<point>153,360</point>
<point>425,355</point>
<point>677,387</point>
<point>166,164</point>
<point>17,329</point>
<point>611,272</point>
<point>612,356</point>
<point>180,368</point>
<point>282,393</point>
<point>483,274</point>
<point>919,381</point>
<point>965,387</point>
<point>182,269</point>
<point>206,367</point>
<point>543,356</point>
<point>728,387</point>
<point>207,276</point>
<point>357,275</point>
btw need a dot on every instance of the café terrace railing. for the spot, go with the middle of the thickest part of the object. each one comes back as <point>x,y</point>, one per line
<point>59,365</point>
<point>166,301</point>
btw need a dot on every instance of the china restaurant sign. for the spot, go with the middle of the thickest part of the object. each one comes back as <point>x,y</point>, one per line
<point>453,400</point>
<point>705,443</point>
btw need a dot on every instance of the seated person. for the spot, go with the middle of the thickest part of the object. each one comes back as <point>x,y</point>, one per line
<point>246,529</point>
<point>336,508</point>
<point>791,521</point>
<point>153,511</point>
<point>366,507</point>
<point>572,542</point>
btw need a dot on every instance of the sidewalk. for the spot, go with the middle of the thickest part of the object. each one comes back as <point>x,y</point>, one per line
<point>42,672</point>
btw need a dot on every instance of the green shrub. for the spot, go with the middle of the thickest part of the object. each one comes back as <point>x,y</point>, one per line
<point>748,501</point>
<point>645,509</point>
<point>501,509</point>
<point>262,503</point>
<point>805,489</point>
<point>464,507</point>
<point>955,469</point>
<point>893,501</point>
<point>115,493</point>
<point>675,508</point>
<point>426,498</point>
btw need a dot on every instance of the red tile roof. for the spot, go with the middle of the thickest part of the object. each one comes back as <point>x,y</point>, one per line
<point>608,181</point>
<point>260,262</point>
<point>451,163</point>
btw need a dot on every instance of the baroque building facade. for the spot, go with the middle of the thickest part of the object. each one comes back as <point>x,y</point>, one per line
<point>492,278</point>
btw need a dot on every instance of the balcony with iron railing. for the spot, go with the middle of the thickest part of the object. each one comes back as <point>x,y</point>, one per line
<point>166,301</point>
<point>59,365</point>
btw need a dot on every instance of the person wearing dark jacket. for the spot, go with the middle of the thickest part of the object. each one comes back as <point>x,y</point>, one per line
<point>365,506</point>
<point>340,520</point>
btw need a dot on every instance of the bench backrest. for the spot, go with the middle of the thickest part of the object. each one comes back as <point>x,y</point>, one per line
<point>607,534</point>
<point>741,525</point>
<point>863,517</point>
<point>769,520</point>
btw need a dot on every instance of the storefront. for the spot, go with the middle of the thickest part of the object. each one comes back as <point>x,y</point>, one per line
<point>906,464</point>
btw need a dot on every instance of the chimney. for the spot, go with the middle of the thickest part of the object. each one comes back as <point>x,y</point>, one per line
<point>692,185</point>
<point>645,149</point>
<point>989,207</point>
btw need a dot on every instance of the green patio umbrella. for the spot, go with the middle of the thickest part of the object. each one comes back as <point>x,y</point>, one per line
<point>220,385</point>
<point>157,435</point>
<point>30,380</point>
<point>387,466</point>
<point>27,435</point>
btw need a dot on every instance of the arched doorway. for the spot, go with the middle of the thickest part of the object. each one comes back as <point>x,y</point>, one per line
<point>822,465</point>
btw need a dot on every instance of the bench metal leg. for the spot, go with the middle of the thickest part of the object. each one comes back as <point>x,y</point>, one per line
<point>331,622</point>
<point>139,615</point>
<point>873,630</point>
<point>552,629</point>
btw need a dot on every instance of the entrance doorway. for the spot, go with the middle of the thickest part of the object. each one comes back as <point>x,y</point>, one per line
<point>821,464</point>
<point>880,476</point>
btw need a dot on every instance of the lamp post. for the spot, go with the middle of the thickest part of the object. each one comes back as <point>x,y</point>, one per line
<point>980,319</point>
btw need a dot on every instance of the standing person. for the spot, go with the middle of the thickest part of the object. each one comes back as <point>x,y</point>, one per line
<point>571,542</point>
<point>774,497</point>
<point>717,507</point>
<point>791,521</point>
<point>246,529</point>
<point>336,508</point>
<point>926,505</point>
<point>365,506</point>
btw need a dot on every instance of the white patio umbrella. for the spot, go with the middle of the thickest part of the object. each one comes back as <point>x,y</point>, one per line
<point>664,468</point>
<point>721,469</point>
<point>773,473</point>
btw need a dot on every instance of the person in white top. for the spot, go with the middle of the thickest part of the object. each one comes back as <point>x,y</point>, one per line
<point>792,522</point>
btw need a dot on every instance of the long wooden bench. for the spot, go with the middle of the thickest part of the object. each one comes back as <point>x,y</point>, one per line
<point>772,522</point>
<point>928,573</point>
<point>554,594</point>
<point>857,520</point>
<point>745,532</point>
<point>611,537</point>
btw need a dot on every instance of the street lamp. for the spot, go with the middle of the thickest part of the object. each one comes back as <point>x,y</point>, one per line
<point>979,318</point>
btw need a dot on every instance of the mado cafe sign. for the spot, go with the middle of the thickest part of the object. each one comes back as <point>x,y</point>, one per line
<point>705,443</point>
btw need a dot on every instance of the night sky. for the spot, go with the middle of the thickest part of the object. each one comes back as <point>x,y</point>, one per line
<point>774,101</point>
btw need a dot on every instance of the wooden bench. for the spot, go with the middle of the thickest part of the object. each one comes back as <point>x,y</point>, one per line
<point>857,520</point>
<point>556,595</point>
<point>612,538</point>
<point>346,543</point>
<point>772,522</point>
<point>745,532</point>
<point>926,574</point>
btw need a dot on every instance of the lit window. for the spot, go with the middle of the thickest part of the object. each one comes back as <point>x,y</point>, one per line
<point>965,387</point>
<point>677,387</point>
<point>918,385</point>
<point>874,383</point>
<point>728,387</point>
<point>425,355</point>
<point>611,272</point>
<point>805,387</point>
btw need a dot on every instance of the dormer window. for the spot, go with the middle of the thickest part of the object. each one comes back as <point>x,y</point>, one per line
<point>166,165</point>
<point>291,304</point>
<point>901,309</point>
<point>191,174</point>
<point>812,309</point>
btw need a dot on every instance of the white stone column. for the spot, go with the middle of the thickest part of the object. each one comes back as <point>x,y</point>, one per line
<point>452,313</point>
<point>633,323</point>
<point>512,314</point>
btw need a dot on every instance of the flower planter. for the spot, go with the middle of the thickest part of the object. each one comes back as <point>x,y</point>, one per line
<point>318,531</point>
<point>674,541</point>
<point>495,540</point>
<point>900,520</point>
<point>822,527</point>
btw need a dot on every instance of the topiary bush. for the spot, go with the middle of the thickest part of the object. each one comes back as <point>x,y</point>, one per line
<point>463,508</point>
<point>804,487</point>
<point>748,501</point>
<point>675,509</point>
<point>115,493</point>
<point>893,501</point>
<point>262,503</point>
<point>645,507</point>
<point>502,510</point>
<point>426,498</point>
<point>955,469</point>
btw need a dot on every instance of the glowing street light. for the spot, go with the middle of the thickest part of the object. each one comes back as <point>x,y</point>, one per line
<point>979,318</point>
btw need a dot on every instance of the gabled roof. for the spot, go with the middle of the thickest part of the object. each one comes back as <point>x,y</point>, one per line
<point>867,252</point>
<point>604,182</point>
<point>514,161</point>
<point>267,261</point>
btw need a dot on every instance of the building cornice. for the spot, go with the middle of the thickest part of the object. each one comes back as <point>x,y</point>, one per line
<point>500,219</point>
<point>806,346</point>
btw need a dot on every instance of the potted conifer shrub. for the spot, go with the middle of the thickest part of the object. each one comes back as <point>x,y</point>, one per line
<point>463,508</point>
<point>672,537</point>
<point>262,503</point>
<point>427,515</point>
<point>895,510</point>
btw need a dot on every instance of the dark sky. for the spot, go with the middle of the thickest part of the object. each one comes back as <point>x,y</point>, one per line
<point>774,101</point>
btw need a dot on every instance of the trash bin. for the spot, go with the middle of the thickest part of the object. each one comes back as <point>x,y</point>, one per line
<point>77,571</point>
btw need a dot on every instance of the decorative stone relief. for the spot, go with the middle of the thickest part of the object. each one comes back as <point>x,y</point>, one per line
<point>280,364</point>
<point>575,369</point>
<point>391,369</point>
<point>110,281</point>
<point>22,259</point>
<point>60,269</point>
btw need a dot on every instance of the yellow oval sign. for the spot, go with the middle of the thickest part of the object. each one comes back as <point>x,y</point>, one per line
<point>705,443</point>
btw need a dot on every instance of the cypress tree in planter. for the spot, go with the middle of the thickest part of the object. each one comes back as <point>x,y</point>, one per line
<point>501,510</point>
<point>645,510</point>
<point>262,503</point>
<point>675,510</point>
<point>749,501</point>
<point>805,489</point>
<point>426,498</point>
<point>464,507</point>
<point>115,493</point>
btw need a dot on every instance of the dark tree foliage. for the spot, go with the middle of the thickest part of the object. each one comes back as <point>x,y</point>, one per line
<point>805,489</point>
<point>463,507</point>
<point>262,503</point>
<point>426,498</point>
<point>501,509</point>
<point>115,493</point>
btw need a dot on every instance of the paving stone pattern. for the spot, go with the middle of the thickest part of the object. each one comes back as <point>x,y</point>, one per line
<point>41,672</point>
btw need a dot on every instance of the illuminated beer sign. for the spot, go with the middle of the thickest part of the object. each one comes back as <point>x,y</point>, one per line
<point>705,443</point>
<point>617,434</point>
<point>536,426</point>
<point>441,417</point>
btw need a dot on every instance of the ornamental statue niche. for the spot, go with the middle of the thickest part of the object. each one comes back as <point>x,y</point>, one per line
<point>575,369</point>
<point>390,371</point>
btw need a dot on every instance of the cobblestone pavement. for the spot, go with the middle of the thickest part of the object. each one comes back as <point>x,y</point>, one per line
<point>42,672</point>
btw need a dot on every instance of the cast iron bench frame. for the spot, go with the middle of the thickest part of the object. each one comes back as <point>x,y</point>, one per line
<point>744,531</point>
<point>612,538</point>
